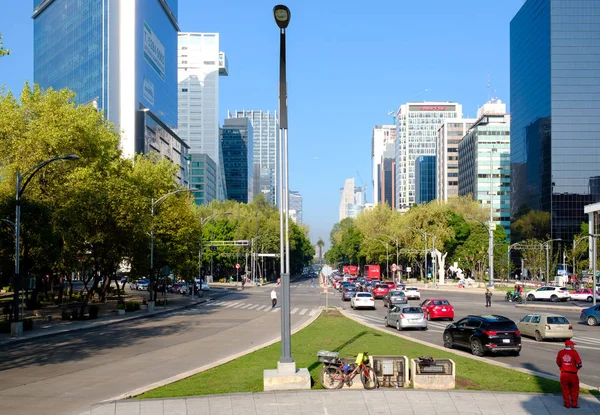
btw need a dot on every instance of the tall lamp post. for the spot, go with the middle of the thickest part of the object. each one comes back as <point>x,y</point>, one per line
<point>490,229</point>
<point>204,221</point>
<point>547,246</point>
<point>395,239</point>
<point>424,235</point>
<point>575,242</point>
<point>22,182</point>
<point>155,205</point>
<point>282,18</point>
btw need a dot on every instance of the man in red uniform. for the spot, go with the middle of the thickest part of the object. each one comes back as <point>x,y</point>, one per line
<point>569,362</point>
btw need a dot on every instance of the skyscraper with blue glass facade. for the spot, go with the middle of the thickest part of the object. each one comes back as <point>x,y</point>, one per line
<point>122,57</point>
<point>237,138</point>
<point>554,87</point>
<point>425,179</point>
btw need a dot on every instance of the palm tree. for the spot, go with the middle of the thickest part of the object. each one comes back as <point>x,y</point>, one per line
<point>320,245</point>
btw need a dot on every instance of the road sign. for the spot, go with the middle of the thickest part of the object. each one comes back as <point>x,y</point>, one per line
<point>408,269</point>
<point>394,267</point>
<point>237,266</point>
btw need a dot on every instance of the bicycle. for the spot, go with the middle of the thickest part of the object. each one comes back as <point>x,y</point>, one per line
<point>336,372</point>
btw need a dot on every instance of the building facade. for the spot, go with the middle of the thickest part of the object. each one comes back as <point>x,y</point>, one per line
<point>417,124</point>
<point>484,166</point>
<point>203,176</point>
<point>200,65</point>
<point>120,57</point>
<point>554,85</point>
<point>266,127</point>
<point>449,136</point>
<point>295,207</point>
<point>387,179</point>
<point>237,144</point>
<point>383,136</point>
<point>425,179</point>
<point>352,200</point>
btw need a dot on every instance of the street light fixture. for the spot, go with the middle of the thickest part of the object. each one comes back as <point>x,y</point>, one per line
<point>22,182</point>
<point>204,221</point>
<point>424,235</point>
<point>547,246</point>
<point>490,229</point>
<point>395,239</point>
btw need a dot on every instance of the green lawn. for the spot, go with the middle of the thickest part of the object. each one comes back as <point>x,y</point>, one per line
<point>334,332</point>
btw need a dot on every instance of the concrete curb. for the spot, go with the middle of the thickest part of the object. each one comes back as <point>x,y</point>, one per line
<point>96,324</point>
<point>461,353</point>
<point>551,307</point>
<point>197,370</point>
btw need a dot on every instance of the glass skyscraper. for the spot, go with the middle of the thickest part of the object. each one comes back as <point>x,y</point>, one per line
<point>425,179</point>
<point>237,144</point>
<point>555,82</point>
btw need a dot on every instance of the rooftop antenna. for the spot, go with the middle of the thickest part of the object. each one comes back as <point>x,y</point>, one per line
<point>393,114</point>
<point>489,84</point>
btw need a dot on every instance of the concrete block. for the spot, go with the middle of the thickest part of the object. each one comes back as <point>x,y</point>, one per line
<point>436,381</point>
<point>16,329</point>
<point>274,380</point>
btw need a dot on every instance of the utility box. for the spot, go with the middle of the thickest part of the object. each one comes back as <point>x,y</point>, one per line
<point>428,373</point>
<point>392,371</point>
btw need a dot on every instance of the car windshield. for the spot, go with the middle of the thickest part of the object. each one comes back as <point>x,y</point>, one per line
<point>411,288</point>
<point>441,302</point>
<point>365,295</point>
<point>381,287</point>
<point>396,293</point>
<point>412,310</point>
<point>502,325</point>
<point>558,320</point>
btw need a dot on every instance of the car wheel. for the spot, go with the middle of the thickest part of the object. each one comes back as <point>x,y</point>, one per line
<point>538,336</point>
<point>591,320</point>
<point>398,327</point>
<point>530,297</point>
<point>554,298</point>
<point>428,317</point>
<point>424,328</point>
<point>476,348</point>
<point>448,342</point>
<point>589,299</point>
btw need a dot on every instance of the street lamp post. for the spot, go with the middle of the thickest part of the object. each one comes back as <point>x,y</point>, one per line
<point>424,235</point>
<point>395,239</point>
<point>575,242</point>
<point>490,229</point>
<point>547,246</point>
<point>282,18</point>
<point>204,221</point>
<point>22,182</point>
<point>515,245</point>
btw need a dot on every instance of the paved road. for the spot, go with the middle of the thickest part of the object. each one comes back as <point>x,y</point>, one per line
<point>538,356</point>
<point>70,372</point>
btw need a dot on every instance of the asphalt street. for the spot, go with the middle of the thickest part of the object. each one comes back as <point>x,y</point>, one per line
<point>538,356</point>
<point>68,373</point>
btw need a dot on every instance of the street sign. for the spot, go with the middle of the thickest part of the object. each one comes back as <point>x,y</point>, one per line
<point>237,266</point>
<point>394,267</point>
<point>408,269</point>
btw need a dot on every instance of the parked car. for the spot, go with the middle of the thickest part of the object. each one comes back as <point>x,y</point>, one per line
<point>394,297</point>
<point>348,292</point>
<point>403,317</point>
<point>543,326</point>
<point>142,285</point>
<point>412,293</point>
<point>380,290</point>
<point>484,334</point>
<point>591,315</point>
<point>435,308</point>
<point>584,294</point>
<point>548,292</point>
<point>362,300</point>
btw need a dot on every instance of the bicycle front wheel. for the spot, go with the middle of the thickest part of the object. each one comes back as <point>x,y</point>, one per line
<point>331,378</point>
<point>368,378</point>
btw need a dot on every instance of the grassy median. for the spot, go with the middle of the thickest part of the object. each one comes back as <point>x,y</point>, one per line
<point>334,332</point>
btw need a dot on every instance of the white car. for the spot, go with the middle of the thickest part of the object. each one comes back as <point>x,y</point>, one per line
<point>412,293</point>
<point>549,292</point>
<point>362,300</point>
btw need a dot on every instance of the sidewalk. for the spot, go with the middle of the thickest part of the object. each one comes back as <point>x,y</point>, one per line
<point>380,401</point>
<point>174,304</point>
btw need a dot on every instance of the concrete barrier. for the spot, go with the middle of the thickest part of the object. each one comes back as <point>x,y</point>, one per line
<point>439,375</point>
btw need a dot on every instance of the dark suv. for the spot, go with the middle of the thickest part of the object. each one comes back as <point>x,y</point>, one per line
<point>484,334</point>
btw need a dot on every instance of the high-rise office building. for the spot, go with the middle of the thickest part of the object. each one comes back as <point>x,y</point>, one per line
<point>266,126</point>
<point>425,179</point>
<point>383,136</point>
<point>554,81</point>
<point>417,124</point>
<point>352,200</point>
<point>449,136</point>
<point>484,166</point>
<point>236,141</point>
<point>387,176</point>
<point>200,64</point>
<point>296,207</point>
<point>203,176</point>
<point>121,57</point>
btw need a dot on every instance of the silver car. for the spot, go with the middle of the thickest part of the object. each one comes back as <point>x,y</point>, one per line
<point>404,317</point>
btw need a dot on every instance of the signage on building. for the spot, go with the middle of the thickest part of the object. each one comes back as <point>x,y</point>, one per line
<point>148,91</point>
<point>154,51</point>
<point>432,108</point>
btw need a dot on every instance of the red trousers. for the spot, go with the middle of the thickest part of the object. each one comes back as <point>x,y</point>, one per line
<point>569,383</point>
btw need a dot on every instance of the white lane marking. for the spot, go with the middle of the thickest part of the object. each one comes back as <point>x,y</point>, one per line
<point>586,339</point>
<point>239,305</point>
<point>303,312</point>
<point>253,307</point>
<point>231,305</point>
<point>245,306</point>
<point>294,311</point>
<point>276,309</point>
<point>266,310</point>
<point>313,312</point>
<point>260,308</point>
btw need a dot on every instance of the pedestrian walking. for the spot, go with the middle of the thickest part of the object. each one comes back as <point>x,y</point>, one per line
<point>273,298</point>
<point>312,281</point>
<point>488,297</point>
<point>569,362</point>
<point>243,282</point>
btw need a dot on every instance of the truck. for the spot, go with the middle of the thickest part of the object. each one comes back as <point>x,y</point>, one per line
<point>373,272</point>
<point>351,269</point>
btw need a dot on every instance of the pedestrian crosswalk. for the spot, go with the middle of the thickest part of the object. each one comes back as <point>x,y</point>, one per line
<point>265,308</point>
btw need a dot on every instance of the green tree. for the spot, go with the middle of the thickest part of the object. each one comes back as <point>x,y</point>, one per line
<point>3,52</point>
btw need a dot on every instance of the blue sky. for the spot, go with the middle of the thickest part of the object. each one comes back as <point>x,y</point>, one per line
<point>348,64</point>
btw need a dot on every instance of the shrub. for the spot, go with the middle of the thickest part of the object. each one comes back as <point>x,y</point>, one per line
<point>93,312</point>
<point>132,306</point>
<point>65,315</point>
<point>28,324</point>
<point>121,306</point>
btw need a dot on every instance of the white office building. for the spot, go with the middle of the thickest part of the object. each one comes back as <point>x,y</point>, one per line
<point>352,200</point>
<point>295,210</point>
<point>417,124</point>
<point>200,64</point>
<point>383,135</point>
<point>266,127</point>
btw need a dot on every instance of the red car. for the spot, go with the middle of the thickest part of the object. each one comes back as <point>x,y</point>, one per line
<point>389,284</point>
<point>380,290</point>
<point>437,308</point>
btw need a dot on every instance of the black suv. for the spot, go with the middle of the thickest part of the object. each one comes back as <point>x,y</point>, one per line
<point>484,334</point>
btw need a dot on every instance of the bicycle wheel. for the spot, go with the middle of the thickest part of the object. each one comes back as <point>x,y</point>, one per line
<point>331,378</point>
<point>368,378</point>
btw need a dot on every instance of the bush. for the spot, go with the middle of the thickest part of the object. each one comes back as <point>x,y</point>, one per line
<point>132,306</point>
<point>66,315</point>
<point>28,324</point>
<point>121,306</point>
<point>93,312</point>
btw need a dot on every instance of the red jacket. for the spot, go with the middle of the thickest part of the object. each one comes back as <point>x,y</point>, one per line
<point>568,360</point>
